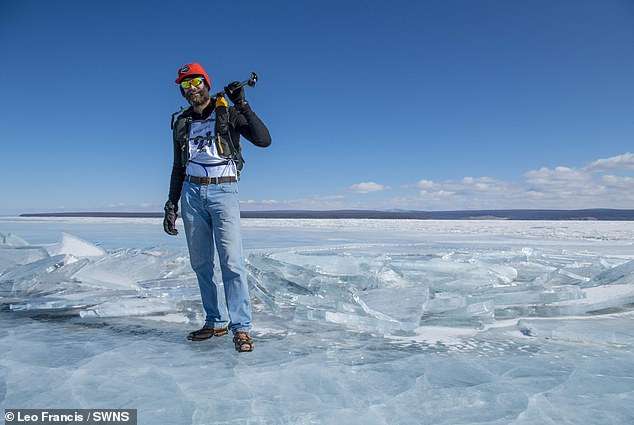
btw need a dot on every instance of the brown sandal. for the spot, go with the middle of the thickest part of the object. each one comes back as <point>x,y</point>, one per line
<point>242,340</point>
<point>206,333</point>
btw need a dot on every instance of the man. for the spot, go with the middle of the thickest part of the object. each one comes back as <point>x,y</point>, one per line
<point>207,163</point>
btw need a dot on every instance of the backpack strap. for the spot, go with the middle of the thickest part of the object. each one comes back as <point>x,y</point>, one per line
<point>176,114</point>
<point>223,133</point>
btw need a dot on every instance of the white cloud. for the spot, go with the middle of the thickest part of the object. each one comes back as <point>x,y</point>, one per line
<point>329,197</point>
<point>425,184</point>
<point>465,187</point>
<point>624,162</point>
<point>263,201</point>
<point>559,187</point>
<point>315,202</point>
<point>548,176</point>
<point>618,182</point>
<point>125,206</point>
<point>481,184</point>
<point>366,187</point>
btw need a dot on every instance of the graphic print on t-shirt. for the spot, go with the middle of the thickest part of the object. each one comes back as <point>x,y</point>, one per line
<point>204,160</point>
<point>201,142</point>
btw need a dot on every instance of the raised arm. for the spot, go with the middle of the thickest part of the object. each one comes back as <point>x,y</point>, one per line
<point>249,125</point>
<point>244,120</point>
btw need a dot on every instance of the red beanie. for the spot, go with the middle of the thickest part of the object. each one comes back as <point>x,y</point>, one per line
<point>191,69</point>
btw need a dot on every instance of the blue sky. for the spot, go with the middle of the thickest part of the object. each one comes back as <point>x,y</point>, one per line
<point>416,105</point>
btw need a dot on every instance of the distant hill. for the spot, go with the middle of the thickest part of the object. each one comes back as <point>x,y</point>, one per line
<point>590,214</point>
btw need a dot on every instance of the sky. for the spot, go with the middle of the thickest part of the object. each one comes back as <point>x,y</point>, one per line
<point>430,105</point>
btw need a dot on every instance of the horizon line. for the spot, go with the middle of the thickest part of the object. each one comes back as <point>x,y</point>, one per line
<point>587,214</point>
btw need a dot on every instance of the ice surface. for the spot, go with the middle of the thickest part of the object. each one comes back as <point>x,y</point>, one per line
<point>130,307</point>
<point>48,275</point>
<point>373,322</point>
<point>75,246</point>
<point>10,256</point>
<point>9,239</point>
<point>621,274</point>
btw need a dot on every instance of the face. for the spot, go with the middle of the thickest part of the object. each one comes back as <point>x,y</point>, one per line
<point>196,95</point>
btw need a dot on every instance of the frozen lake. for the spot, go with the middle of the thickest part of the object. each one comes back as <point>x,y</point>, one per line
<point>355,322</point>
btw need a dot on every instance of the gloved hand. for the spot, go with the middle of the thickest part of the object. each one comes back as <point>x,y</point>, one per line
<point>221,101</point>
<point>235,93</point>
<point>169,222</point>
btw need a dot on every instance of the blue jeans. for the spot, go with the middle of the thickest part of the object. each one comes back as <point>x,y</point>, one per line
<point>211,214</point>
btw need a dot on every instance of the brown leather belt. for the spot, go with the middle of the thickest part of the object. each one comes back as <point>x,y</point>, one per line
<point>211,180</point>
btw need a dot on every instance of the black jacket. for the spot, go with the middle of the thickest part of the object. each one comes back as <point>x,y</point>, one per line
<point>242,122</point>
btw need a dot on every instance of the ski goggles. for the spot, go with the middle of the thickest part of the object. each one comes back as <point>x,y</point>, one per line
<point>196,81</point>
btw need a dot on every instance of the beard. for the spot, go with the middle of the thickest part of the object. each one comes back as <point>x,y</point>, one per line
<point>199,98</point>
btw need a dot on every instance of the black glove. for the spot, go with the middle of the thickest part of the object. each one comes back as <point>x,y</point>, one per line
<point>169,222</point>
<point>236,93</point>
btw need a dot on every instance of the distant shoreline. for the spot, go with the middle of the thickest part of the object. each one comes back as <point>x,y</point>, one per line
<point>579,215</point>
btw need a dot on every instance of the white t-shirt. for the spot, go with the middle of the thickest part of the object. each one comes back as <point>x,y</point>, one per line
<point>203,156</point>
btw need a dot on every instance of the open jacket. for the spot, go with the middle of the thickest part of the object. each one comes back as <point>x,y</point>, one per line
<point>242,122</point>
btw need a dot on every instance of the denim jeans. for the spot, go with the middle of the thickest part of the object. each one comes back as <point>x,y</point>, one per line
<point>211,215</point>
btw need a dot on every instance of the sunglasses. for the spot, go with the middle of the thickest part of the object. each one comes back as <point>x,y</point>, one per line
<point>196,81</point>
